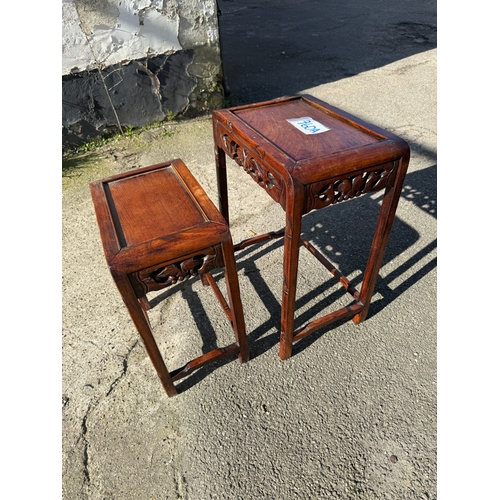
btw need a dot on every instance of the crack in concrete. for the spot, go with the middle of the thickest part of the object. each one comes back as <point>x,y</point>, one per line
<point>180,486</point>
<point>123,372</point>
<point>84,429</point>
<point>86,473</point>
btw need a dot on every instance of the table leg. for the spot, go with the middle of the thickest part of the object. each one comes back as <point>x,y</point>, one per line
<point>294,207</point>
<point>233,292</point>
<point>221,173</point>
<point>141,322</point>
<point>382,232</point>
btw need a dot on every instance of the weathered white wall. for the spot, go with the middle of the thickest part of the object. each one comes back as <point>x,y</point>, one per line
<point>112,31</point>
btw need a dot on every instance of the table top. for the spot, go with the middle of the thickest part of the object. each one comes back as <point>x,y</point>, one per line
<point>150,213</point>
<point>324,140</point>
<point>150,205</point>
<point>271,121</point>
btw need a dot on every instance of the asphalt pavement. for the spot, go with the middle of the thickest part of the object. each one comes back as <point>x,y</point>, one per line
<point>352,414</point>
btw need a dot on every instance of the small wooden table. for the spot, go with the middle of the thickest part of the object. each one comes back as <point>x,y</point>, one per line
<point>159,227</point>
<point>304,167</point>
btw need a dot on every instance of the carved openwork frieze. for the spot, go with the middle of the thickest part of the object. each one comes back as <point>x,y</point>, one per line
<point>329,192</point>
<point>261,174</point>
<point>161,276</point>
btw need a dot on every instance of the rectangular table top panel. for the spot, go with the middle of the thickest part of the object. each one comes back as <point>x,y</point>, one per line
<point>271,122</point>
<point>151,205</point>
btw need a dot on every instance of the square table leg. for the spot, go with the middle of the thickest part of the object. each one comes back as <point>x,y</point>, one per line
<point>380,238</point>
<point>234,297</point>
<point>221,173</point>
<point>294,203</point>
<point>141,322</point>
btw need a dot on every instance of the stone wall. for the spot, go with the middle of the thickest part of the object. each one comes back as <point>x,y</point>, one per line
<point>129,63</point>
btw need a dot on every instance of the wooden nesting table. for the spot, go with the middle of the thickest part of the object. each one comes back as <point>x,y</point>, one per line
<point>159,227</point>
<point>324,157</point>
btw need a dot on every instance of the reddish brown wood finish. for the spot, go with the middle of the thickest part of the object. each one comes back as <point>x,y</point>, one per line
<point>307,172</point>
<point>158,227</point>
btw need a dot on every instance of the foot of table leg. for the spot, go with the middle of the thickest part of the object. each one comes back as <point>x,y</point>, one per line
<point>286,346</point>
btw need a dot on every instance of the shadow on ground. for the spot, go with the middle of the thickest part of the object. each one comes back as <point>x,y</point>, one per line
<point>272,49</point>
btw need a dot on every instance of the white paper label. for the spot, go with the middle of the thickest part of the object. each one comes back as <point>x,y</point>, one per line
<point>308,125</point>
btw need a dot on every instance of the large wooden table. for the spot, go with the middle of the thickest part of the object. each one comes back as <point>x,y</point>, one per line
<point>304,167</point>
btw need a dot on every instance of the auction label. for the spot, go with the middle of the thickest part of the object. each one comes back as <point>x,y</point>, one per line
<point>308,125</point>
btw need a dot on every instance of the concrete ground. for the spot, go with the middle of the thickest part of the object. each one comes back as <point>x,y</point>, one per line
<point>352,415</point>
